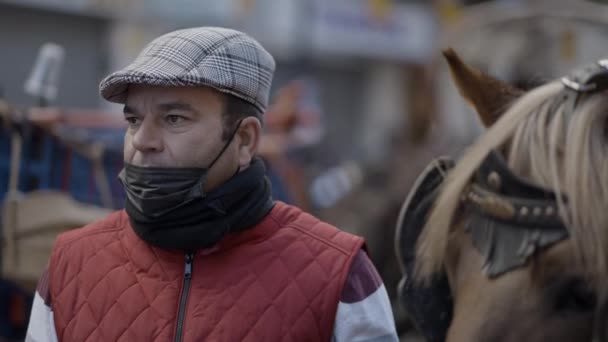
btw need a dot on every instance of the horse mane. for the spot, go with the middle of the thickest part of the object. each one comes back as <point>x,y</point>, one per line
<point>564,152</point>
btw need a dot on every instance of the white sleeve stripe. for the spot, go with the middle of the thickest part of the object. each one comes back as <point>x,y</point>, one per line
<point>42,324</point>
<point>368,320</point>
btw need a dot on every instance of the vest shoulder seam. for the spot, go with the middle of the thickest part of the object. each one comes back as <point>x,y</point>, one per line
<point>323,240</point>
<point>69,240</point>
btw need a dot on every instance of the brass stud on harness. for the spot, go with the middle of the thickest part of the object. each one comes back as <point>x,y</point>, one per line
<point>537,211</point>
<point>494,181</point>
<point>523,211</point>
<point>549,211</point>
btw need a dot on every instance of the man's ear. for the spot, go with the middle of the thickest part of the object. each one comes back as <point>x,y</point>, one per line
<point>248,137</point>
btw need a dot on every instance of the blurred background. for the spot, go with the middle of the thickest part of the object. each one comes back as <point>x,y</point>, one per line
<point>361,102</point>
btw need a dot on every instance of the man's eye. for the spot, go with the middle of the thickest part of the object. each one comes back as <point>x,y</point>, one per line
<point>133,121</point>
<point>174,119</point>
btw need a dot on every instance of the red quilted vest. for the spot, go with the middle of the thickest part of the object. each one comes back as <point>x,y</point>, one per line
<point>280,281</point>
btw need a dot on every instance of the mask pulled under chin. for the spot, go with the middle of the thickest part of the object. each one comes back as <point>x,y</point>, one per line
<point>168,208</point>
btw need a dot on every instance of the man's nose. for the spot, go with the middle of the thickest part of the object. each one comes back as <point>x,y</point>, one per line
<point>148,137</point>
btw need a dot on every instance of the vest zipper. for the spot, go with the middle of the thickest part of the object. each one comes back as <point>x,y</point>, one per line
<point>184,297</point>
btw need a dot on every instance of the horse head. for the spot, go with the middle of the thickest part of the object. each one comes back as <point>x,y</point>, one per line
<point>510,243</point>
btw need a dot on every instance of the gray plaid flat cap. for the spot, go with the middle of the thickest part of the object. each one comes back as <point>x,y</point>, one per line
<point>227,60</point>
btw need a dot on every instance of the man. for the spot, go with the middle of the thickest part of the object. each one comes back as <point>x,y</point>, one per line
<point>201,252</point>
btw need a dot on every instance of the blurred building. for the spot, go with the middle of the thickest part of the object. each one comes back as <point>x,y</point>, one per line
<point>358,52</point>
<point>376,63</point>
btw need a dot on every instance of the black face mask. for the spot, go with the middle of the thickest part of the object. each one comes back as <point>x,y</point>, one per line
<point>168,207</point>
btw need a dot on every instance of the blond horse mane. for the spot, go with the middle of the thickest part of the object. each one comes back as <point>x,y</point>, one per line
<point>564,152</point>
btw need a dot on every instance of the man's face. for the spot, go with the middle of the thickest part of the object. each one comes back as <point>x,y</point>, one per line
<point>178,127</point>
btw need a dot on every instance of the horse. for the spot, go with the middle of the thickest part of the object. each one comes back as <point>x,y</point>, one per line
<point>510,243</point>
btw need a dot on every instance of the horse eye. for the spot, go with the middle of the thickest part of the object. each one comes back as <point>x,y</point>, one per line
<point>572,295</point>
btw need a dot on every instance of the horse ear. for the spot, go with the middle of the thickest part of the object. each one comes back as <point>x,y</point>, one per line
<point>489,96</point>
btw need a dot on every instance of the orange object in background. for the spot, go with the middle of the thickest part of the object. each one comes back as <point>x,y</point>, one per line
<point>292,120</point>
